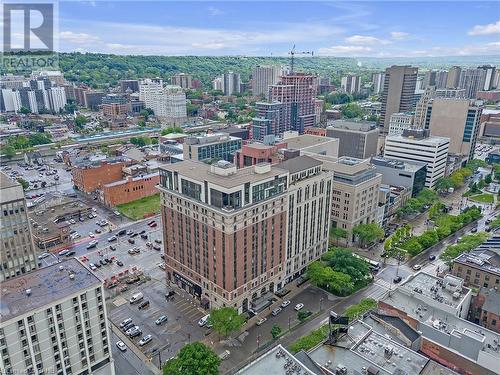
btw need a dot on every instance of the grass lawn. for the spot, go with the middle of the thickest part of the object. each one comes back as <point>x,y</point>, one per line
<point>140,208</point>
<point>482,198</point>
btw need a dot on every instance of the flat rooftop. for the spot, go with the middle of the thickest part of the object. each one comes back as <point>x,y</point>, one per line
<point>85,162</point>
<point>273,363</point>
<point>137,178</point>
<point>434,140</point>
<point>199,171</point>
<point>485,257</point>
<point>363,347</point>
<point>48,285</point>
<point>307,140</point>
<point>299,163</point>
<point>402,165</point>
<point>353,125</point>
<point>6,182</point>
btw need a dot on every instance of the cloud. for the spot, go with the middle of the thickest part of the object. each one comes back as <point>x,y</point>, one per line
<point>78,38</point>
<point>489,29</point>
<point>213,11</point>
<point>365,40</point>
<point>345,50</point>
<point>399,35</point>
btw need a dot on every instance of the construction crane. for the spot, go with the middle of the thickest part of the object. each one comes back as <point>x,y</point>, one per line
<point>292,53</point>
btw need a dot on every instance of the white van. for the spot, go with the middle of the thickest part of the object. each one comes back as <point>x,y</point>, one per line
<point>136,297</point>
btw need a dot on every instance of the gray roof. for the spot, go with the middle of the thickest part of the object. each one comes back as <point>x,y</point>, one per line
<point>6,182</point>
<point>306,140</point>
<point>47,285</point>
<point>492,301</point>
<point>299,163</point>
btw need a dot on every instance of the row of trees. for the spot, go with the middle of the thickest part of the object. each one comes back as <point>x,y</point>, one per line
<point>424,199</point>
<point>464,245</point>
<point>143,141</point>
<point>363,233</point>
<point>339,272</point>
<point>454,180</point>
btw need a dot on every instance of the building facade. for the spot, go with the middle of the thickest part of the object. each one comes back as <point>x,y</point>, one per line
<point>225,231</point>
<point>357,139</point>
<point>211,147</point>
<point>54,321</point>
<point>378,82</point>
<point>130,189</point>
<point>182,80</point>
<point>401,173</point>
<point>472,80</point>
<point>351,84</point>
<point>263,77</point>
<point>167,102</point>
<point>398,92</point>
<point>416,146</point>
<point>17,251</point>
<point>400,121</point>
<point>89,176</point>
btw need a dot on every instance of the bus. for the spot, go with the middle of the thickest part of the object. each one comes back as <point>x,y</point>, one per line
<point>374,265</point>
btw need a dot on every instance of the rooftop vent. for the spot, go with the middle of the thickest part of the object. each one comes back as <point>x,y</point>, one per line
<point>28,292</point>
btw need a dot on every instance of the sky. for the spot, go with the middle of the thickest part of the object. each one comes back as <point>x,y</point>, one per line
<point>271,28</point>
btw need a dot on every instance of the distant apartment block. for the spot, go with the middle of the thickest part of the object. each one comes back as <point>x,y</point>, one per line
<point>263,77</point>
<point>450,93</point>
<point>357,139</point>
<point>17,252</point>
<point>129,189</point>
<point>114,105</point>
<point>351,84</point>
<point>269,120</point>
<point>378,82</point>
<point>182,80</point>
<point>416,146</point>
<point>93,99</point>
<point>131,85</point>
<point>89,176</point>
<point>54,321</point>
<point>211,147</point>
<point>167,102</point>
<point>472,80</point>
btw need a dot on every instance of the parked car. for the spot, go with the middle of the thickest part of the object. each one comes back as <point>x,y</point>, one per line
<point>285,304</point>
<point>161,265</point>
<point>63,252</point>
<point>146,339</point>
<point>157,248</point>
<point>152,222</point>
<point>261,321</point>
<point>70,254</point>
<point>119,263</point>
<point>120,345</point>
<point>135,332</point>
<point>112,238</point>
<point>149,244</point>
<point>144,236</point>
<point>125,322</point>
<point>158,241</point>
<point>224,355</point>
<point>301,280</point>
<point>131,241</point>
<point>417,267</point>
<point>112,248</point>
<point>203,321</point>
<point>169,294</point>
<point>102,261</point>
<point>98,231</point>
<point>143,305</point>
<point>299,306</point>
<point>92,244</point>
<point>91,235</point>
<point>161,320</point>
<point>43,255</point>
<point>122,232</point>
<point>276,311</point>
<point>142,231</point>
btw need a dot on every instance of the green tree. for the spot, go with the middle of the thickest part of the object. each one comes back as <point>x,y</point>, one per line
<point>336,282</point>
<point>412,246</point>
<point>488,179</point>
<point>275,331</point>
<point>428,238</point>
<point>464,245</point>
<point>174,129</point>
<point>302,315</point>
<point>141,123</point>
<point>24,110</point>
<point>352,110</point>
<point>80,121</point>
<point>25,184</point>
<point>342,260</point>
<point>192,109</point>
<point>475,164</point>
<point>8,151</point>
<point>443,184</point>
<point>355,311</point>
<point>226,320</point>
<point>338,233</point>
<point>193,359</point>
<point>480,184</point>
<point>366,233</point>
<point>138,141</point>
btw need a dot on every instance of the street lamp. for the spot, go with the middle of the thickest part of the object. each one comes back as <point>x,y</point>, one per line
<point>320,304</point>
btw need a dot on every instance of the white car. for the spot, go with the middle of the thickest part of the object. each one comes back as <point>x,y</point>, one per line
<point>299,306</point>
<point>43,255</point>
<point>145,340</point>
<point>92,266</point>
<point>261,321</point>
<point>161,265</point>
<point>203,321</point>
<point>125,322</point>
<point>120,345</point>
<point>161,319</point>
<point>63,252</point>
<point>417,267</point>
<point>285,304</point>
<point>91,235</point>
<point>72,221</point>
<point>112,238</point>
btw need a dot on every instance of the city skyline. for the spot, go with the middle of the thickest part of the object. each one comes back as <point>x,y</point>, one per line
<point>356,29</point>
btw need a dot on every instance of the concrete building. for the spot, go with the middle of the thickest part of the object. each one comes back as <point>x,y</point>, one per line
<point>211,147</point>
<point>400,121</point>
<point>416,146</point>
<point>450,93</point>
<point>269,120</point>
<point>489,96</point>
<point>351,84</point>
<point>217,84</point>
<point>401,173</point>
<point>263,77</point>
<point>489,79</point>
<point>93,99</point>
<point>354,191</point>
<point>182,80</point>
<point>453,77</point>
<point>17,251</point>
<point>89,176</point>
<point>357,139</point>
<point>256,153</point>
<point>296,92</point>
<point>397,96</point>
<point>129,84</point>
<point>130,189</point>
<point>472,80</point>
<point>456,119</point>
<point>54,321</point>
<point>480,268</point>
<point>230,83</point>
<point>312,144</point>
<point>378,82</point>
<point>485,309</point>
<point>114,105</point>
<point>436,307</point>
<point>309,206</point>
<point>225,231</point>
<point>167,102</point>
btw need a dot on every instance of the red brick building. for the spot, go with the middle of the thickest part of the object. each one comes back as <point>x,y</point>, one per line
<point>254,153</point>
<point>130,189</point>
<point>315,131</point>
<point>485,309</point>
<point>493,96</point>
<point>88,176</point>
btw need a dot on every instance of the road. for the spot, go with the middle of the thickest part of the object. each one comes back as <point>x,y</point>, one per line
<point>127,362</point>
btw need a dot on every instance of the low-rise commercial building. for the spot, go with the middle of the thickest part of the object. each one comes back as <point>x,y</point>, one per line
<point>89,175</point>
<point>211,147</point>
<point>485,309</point>
<point>312,144</point>
<point>400,121</point>
<point>130,189</point>
<point>53,320</point>
<point>401,173</point>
